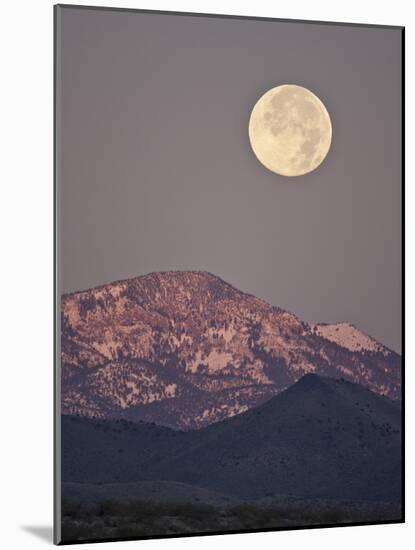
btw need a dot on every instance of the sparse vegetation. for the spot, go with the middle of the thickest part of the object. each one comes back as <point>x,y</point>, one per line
<point>112,519</point>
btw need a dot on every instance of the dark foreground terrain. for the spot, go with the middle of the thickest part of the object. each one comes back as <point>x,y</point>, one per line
<point>322,452</point>
<point>118,519</point>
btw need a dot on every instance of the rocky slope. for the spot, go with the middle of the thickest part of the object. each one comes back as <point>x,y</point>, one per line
<point>348,336</point>
<point>186,349</point>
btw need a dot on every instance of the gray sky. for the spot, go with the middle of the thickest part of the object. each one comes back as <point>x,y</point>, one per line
<point>157,172</point>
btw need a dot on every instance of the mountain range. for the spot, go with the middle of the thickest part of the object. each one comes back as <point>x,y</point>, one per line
<point>320,438</point>
<point>184,349</point>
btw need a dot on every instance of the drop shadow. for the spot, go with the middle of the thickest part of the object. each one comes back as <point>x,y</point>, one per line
<point>43,532</point>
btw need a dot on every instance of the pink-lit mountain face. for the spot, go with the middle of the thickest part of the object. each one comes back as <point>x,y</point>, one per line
<point>186,349</point>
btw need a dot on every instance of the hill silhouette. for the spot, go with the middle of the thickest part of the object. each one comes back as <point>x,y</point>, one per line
<point>320,438</point>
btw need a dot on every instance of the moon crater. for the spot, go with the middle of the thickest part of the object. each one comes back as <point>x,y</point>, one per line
<point>290,130</point>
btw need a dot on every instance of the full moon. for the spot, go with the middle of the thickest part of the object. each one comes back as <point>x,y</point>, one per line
<point>290,130</point>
